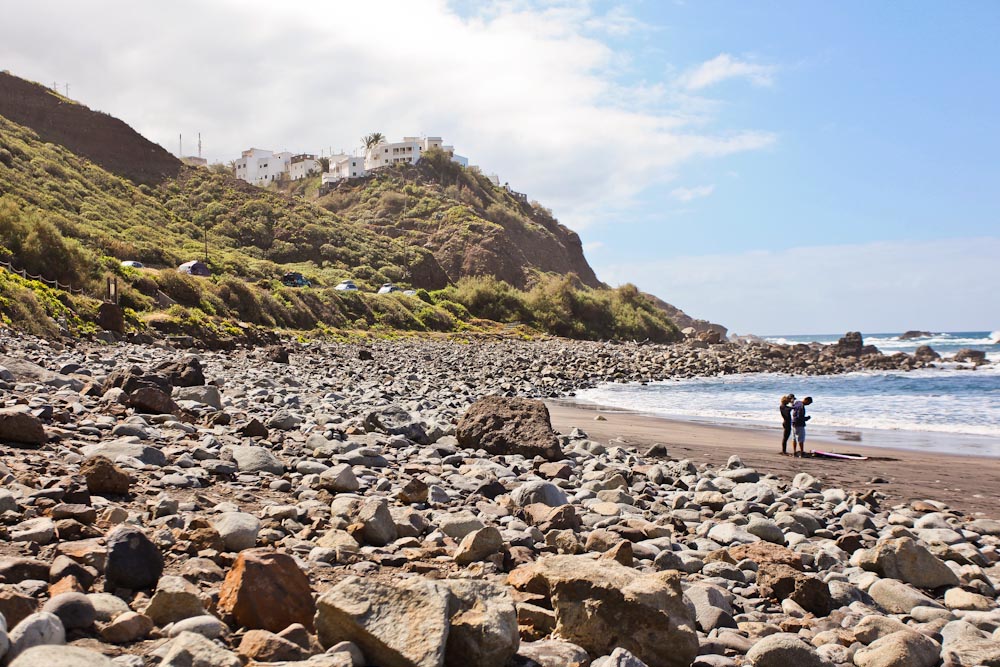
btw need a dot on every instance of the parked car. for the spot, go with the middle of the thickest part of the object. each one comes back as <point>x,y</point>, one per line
<point>387,288</point>
<point>132,264</point>
<point>294,279</point>
<point>347,286</point>
<point>195,268</point>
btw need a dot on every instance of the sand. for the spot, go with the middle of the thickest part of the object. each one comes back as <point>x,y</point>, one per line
<point>968,484</point>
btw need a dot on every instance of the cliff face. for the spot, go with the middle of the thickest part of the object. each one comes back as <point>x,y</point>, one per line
<point>102,139</point>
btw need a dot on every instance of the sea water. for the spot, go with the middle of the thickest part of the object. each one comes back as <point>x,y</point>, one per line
<point>949,409</point>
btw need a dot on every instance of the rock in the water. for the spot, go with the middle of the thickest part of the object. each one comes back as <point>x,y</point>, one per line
<point>402,624</point>
<point>503,426</point>
<point>18,425</point>
<point>602,605</point>
<point>266,590</point>
<point>133,562</point>
<point>61,656</point>
<point>484,628</point>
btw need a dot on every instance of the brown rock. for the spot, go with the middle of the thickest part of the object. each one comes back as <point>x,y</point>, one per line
<point>16,570</point>
<point>621,553</point>
<point>127,628</point>
<point>104,478</point>
<point>265,646</point>
<point>110,317</point>
<point>765,552</point>
<point>68,584</point>
<point>16,606</point>
<point>17,425</point>
<point>778,582</point>
<point>152,400</point>
<point>266,590</point>
<point>503,426</point>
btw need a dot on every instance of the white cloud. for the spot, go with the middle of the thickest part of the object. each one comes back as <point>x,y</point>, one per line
<point>688,194</point>
<point>531,91</point>
<point>946,285</point>
<point>725,66</point>
<point>592,246</point>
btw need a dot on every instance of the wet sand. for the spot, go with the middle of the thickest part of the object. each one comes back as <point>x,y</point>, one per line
<point>968,484</point>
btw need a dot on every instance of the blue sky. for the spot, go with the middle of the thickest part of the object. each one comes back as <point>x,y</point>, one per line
<point>781,168</point>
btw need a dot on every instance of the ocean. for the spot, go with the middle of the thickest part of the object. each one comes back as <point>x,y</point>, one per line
<point>949,409</point>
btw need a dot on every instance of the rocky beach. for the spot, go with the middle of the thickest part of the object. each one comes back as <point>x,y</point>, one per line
<point>409,503</point>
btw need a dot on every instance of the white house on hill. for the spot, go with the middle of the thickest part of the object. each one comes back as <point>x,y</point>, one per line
<point>385,154</point>
<point>260,167</point>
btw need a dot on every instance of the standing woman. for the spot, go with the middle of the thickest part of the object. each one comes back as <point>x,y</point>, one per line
<point>786,421</point>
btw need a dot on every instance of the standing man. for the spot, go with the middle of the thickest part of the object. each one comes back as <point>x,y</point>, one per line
<point>799,419</point>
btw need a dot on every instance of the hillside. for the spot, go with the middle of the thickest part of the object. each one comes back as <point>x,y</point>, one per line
<point>77,195</point>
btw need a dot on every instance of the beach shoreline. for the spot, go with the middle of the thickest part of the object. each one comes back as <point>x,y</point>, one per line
<point>969,484</point>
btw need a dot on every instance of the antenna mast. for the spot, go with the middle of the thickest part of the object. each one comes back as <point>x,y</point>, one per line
<point>180,145</point>
<point>199,144</point>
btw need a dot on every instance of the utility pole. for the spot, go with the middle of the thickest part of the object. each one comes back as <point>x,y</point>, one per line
<point>199,144</point>
<point>180,145</point>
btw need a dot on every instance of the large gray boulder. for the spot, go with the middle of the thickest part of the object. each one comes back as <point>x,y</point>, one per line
<point>127,447</point>
<point>899,598</point>
<point>484,628</point>
<point>251,458</point>
<point>905,560</point>
<point>238,530</point>
<point>399,624</point>
<point>504,426</point>
<point>602,605</point>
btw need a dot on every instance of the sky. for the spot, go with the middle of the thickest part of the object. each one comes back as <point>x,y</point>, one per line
<point>778,167</point>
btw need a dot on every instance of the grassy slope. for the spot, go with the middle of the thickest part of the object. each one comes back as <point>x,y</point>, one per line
<point>67,219</point>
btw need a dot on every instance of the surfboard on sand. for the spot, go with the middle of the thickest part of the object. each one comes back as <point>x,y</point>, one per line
<point>834,455</point>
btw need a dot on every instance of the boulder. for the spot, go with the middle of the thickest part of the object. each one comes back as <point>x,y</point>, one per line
<point>192,650</point>
<point>104,478</point>
<point>552,653</point>
<point>75,610</point>
<point>780,582</point>
<point>266,590</point>
<point>377,525</point>
<point>601,605</point>
<point>238,530</point>
<point>484,629</point>
<point>206,394</point>
<point>926,353</point>
<point>186,372</point>
<point>903,559</point>
<point>899,649</point>
<point>129,447</point>
<point>977,357</point>
<point>175,599</point>
<point>265,646</point>
<point>396,420</point>
<point>898,598</point>
<point>504,426</point>
<point>251,458</point>
<point>133,561</point>
<point>538,491</point>
<point>61,656</point>
<point>20,426</point>
<point>784,650</point>
<point>38,629</point>
<point>478,545</point>
<point>127,627</point>
<point>153,401</point>
<point>340,478</point>
<point>403,623</point>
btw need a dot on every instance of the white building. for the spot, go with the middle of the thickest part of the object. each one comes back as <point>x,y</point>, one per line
<point>344,166</point>
<point>260,167</point>
<point>407,151</point>
<point>302,165</point>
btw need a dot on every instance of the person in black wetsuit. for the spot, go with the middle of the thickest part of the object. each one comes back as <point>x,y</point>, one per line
<point>786,421</point>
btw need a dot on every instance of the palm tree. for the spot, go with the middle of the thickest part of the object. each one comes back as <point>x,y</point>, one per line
<point>373,139</point>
